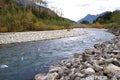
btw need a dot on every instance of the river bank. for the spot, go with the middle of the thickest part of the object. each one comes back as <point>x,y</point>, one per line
<point>14,37</point>
<point>99,63</point>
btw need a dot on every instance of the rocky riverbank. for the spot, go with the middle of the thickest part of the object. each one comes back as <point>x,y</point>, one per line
<point>6,38</point>
<point>99,63</point>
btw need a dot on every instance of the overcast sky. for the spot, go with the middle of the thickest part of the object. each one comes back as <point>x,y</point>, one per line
<point>77,9</point>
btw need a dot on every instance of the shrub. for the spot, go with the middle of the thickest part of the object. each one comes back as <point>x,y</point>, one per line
<point>112,25</point>
<point>85,22</point>
<point>3,29</point>
<point>96,25</point>
<point>39,26</point>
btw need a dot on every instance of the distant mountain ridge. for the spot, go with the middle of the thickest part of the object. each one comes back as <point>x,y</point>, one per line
<point>90,18</point>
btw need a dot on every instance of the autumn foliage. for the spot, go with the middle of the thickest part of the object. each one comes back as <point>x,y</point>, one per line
<point>15,17</point>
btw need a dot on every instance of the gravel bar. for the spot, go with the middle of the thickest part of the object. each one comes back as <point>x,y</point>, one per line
<point>15,37</point>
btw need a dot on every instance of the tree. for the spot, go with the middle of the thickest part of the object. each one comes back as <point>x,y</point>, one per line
<point>85,22</point>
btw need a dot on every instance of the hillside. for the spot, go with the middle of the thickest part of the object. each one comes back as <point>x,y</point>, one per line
<point>27,16</point>
<point>90,18</point>
<point>110,19</point>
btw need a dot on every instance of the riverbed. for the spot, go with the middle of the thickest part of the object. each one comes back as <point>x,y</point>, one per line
<point>18,37</point>
<point>21,61</point>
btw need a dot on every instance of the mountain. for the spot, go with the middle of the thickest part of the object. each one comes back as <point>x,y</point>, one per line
<point>90,18</point>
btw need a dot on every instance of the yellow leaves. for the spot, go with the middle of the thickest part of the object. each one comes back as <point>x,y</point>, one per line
<point>3,29</point>
<point>29,15</point>
<point>96,25</point>
<point>39,26</point>
<point>15,17</point>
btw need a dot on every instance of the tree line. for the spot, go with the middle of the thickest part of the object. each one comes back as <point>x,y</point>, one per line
<point>26,15</point>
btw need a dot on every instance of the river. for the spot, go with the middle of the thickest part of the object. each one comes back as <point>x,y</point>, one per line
<point>21,61</point>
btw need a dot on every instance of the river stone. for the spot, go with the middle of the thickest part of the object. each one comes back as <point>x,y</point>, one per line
<point>65,78</point>
<point>76,55</point>
<point>101,78</point>
<point>89,51</point>
<point>79,74</point>
<point>77,78</point>
<point>114,78</point>
<point>40,77</point>
<point>68,65</point>
<point>89,71</point>
<point>66,71</point>
<point>88,78</point>
<point>97,46</point>
<point>54,69</point>
<point>52,76</point>
<point>72,76</point>
<point>116,62</point>
<point>112,69</point>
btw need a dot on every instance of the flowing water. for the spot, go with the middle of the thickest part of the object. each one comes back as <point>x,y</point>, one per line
<point>21,61</point>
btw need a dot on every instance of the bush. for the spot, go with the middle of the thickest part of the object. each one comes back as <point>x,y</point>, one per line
<point>3,29</point>
<point>112,25</point>
<point>96,25</point>
<point>39,26</point>
<point>85,22</point>
<point>15,17</point>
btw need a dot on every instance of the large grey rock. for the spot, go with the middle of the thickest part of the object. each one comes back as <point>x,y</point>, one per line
<point>112,69</point>
<point>52,76</point>
<point>89,71</point>
<point>79,74</point>
<point>40,77</point>
<point>54,69</point>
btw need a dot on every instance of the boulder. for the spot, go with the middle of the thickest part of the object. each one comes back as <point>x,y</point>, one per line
<point>112,69</point>
<point>40,77</point>
<point>52,76</point>
<point>89,71</point>
<point>54,69</point>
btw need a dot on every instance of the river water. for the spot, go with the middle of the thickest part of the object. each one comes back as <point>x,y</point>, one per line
<point>21,61</point>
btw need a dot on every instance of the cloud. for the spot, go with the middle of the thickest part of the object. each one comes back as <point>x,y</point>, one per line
<point>101,8</point>
<point>83,5</point>
<point>76,9</point>
<point>117,8</point>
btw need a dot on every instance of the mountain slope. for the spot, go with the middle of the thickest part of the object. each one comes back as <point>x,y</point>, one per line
<point>21,17</point>
<point>90,18</point>
<point>110,19</point>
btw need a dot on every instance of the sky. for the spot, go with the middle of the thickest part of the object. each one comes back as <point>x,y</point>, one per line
<point>77,9</point>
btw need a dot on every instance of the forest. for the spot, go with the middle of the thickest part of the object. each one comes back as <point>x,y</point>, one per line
<point>25,15</point>
<point>109,19</point>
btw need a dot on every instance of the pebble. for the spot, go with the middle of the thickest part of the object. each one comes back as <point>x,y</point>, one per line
<point>6,38</point>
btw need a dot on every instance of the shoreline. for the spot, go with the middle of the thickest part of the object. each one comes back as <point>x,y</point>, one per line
<point>99,63</point>
<point>18,37</point>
